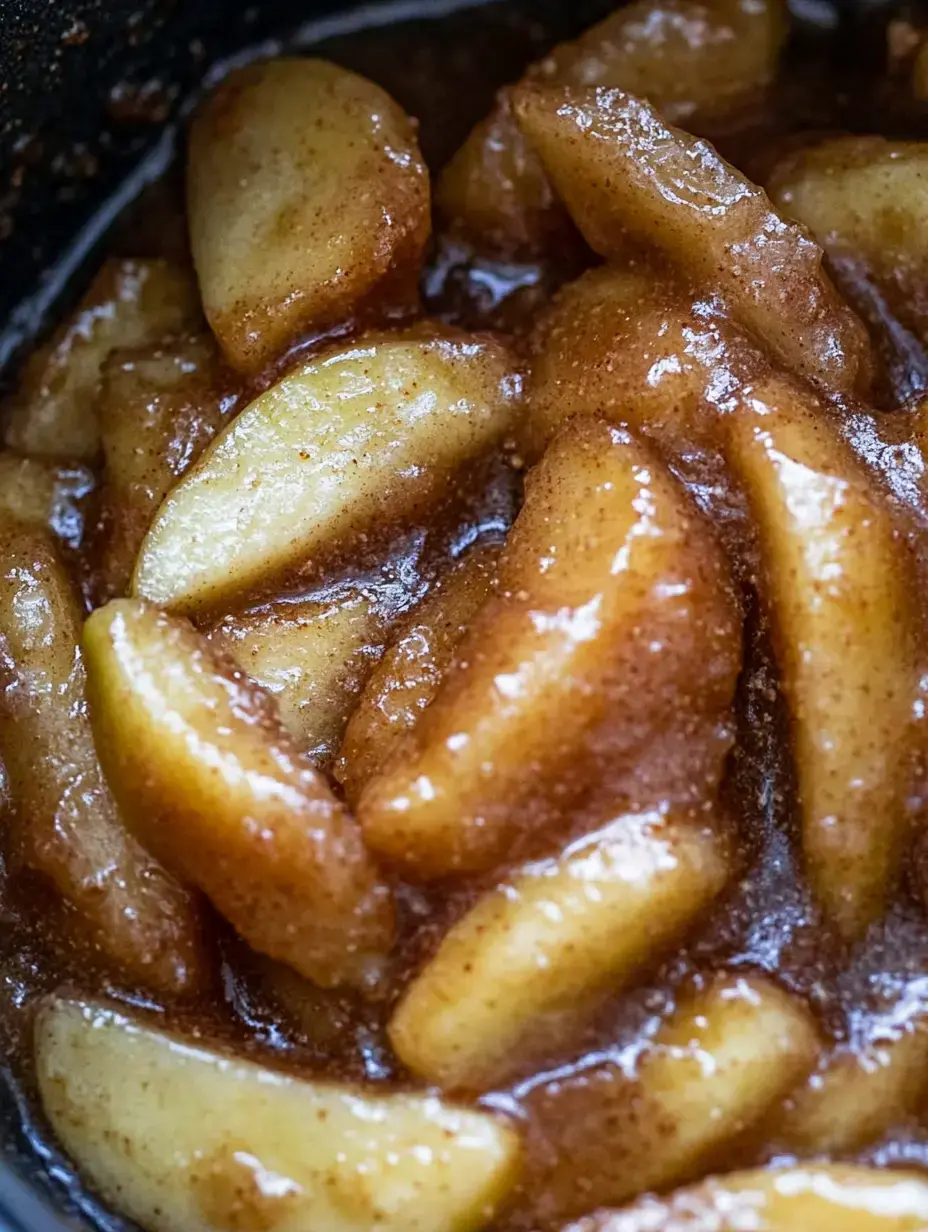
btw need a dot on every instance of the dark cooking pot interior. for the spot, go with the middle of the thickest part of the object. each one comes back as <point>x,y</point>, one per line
<point>92,97</point>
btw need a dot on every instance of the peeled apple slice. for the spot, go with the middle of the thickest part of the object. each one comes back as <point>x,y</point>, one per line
<point>207,776</point>
<point>807,1198</point>
<point>355,443</point>
<point>837,581</point>
<point>308,203</point>
<point>597,678</point>
<point>410,673</point>
<point>525,970</point>
<point>313,658</point>
<point>182,1138</point>
<point>627,177</point>
<point>63,822</point>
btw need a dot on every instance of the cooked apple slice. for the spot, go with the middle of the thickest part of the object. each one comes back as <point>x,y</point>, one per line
<point>46,494</point>
<point>313,658</point>
<point>692,60</point>
<point>308,204</point>
<point>206,774</point>
<point>64,822</point>
<point>598,679</point>
<point>496,194</point>
<point>811,1198</point>
<point>182,1138</point>
<point>525,970</point>
<point>863,198</point>
<point>129,303</point>
<point>625,175</point>
<point>856,1094</point>
<point>727,1054</point>
<point>159,408</point>
<point>408,676</point>
<point>630,344</point>
<point>349,445</point>
<point>835,581</point>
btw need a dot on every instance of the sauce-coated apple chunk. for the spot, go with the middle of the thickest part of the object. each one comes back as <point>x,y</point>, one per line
<point>598,677</point>
<point>369,437</point>
<point>207,775</point>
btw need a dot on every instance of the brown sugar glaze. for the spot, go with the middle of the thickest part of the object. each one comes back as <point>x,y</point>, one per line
<point>444,71</point>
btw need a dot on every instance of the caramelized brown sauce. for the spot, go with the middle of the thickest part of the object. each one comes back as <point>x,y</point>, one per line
<point>445,72</point>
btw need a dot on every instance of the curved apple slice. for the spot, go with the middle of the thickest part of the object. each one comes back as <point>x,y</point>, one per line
<point>692,60</point>
<point>632,346</point>
<point>824,1197</point>
<point>624,174</point>
<point>726,1055</point>
<point>526,969</point>
<point>159,407</point>
<point>835,580</point>
<point>308,205</point>
<point>65,823</point>
<point>856,1095</point>
<point>130,303</point>
<point>863,200</point>
<point>206,774</point>
<point>312,657</point>
<point>598,679</point>
<point>366,438</point>
<point>183,1138</point>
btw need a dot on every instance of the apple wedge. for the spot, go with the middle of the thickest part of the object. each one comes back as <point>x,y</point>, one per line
<point>308,203</point>
<point>353,444</point>
<point>207,776</point>
<point>312,657</point>
<point>598,679</point>
<point>835,577</point>
<point>863,198</point>
<point>523,972</point>
<point>159,407</point>
<point>64,823</point>
<point>726,1055</point>
<point>857,1094</point>
<point>814,1197</point>
<point>625,175</point>
<point>632,345</point>
<point>52,414</point>
<point>408,676</point>
<point>692,60</point>
<point>183,1138</point>
<point>46,495</point>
